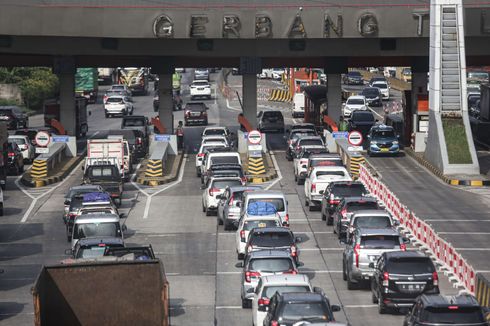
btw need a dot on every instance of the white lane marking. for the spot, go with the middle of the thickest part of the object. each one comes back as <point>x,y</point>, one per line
<point>230,107</point>
<point>449,220</point>
<point>279,174</point>
<point>469,233</point>
<point>22,188</point>
<point>379,115</point>
<point>229,307</point>
<point>295,121</point>
<point>323,249</point>
<point>360,306</point>
<point>472,249</point>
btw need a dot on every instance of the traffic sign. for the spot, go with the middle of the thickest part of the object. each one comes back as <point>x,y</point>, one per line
<point>254,137</point>
<point>355,138</point>
<point>340,134</point>
<point>42,139</point>
<point>162,137</point>
<point>61,139</point>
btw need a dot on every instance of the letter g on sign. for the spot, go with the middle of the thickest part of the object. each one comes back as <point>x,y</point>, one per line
<point>163,27</point>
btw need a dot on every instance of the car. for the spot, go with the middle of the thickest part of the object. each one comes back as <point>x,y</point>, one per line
<point>382,139</point>
<point>225,170</point>
<point>213,188</point>
<point>270,121</point>
<point>214,139</point>
<point>97,225</point>
<point>138,147</point>
<point>300,161</point>
<point>288,309</point>
<point>317,181</point>
<point>293,137</point>
<point>24,144</point>
<point>269,285</point>
<point>201,89</point>
<point>107,176</point>
<point>310,142</point>
<point>373,96</point>
<point>400,277</point>
<point>196,113</point>
<point>229,205</point>
<point>235,71</point>
<point>354,103</point>
<point>218,155</point>
<point>376,79</point>
<point>323,159</point>
<point>298,105</point>
<point>407,75</point>
<point>77,191</point>
<point>338,190</point>
<point>14,117</point>
<point>347,206</point>
<point>266,238</point>
<point>276,198</point>
<point>361,121</point>
<point>370,218</point>
<point>110,93</point>
<point>303,125</point>
<point>277,73</point>
<point>245,225</point>
<point>94,247</point>
<point>365,247</point>
<point>15,158</point>
<point>384,88</point>
<point>120,87</point>
<point>201,74</point>
<point>437,309</point>
<point>202,151</point>
<point>265,73</point>
<point>118,105</point>
<point>353,78</point>
<point>263,263</point>
<point>216,131</point>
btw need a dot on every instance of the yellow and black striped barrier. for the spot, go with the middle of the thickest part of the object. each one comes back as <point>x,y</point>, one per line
<point>154,168</point>
<point>255,166</point>
<point>355,165</point>
<point>279,95</point>
<point>39,169</point>
<point>482,290</point>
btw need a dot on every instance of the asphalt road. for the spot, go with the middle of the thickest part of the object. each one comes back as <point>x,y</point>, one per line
<point>198,255</point>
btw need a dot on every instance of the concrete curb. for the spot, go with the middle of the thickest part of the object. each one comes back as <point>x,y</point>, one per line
<point>446,179</point>
<point>270,175</point>
<point>157,181</point>
<point>65,170</point>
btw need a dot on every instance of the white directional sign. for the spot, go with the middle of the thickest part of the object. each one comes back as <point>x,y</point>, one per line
<point>254,137</point>
<point>42,139</point>
<point>355,138</point>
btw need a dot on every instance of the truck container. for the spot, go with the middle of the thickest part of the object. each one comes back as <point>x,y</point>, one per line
<point>52,111</point>
<point>134,292</point>
<point>3,154</point>
<point>86,84</point>
<point>99,150</point>
<point>105,76</point>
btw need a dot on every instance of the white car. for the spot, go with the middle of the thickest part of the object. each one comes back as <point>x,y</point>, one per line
<point>246,224</point>
<point>219,158</point>
<point>213,188</point>
<point>355,102</point>
<point>265,73</point>
<point>216,131</point>
<point>118,105</point>
<point>298,105</point>
<point>317,181</point>
<point>277,73</point>
<point>384,88</point>
<point>276,198</point>
<point>28,150</point>
<point>201,152</point>
<point>269,285</point>
<point>214,139</point>
<point>200,88</point>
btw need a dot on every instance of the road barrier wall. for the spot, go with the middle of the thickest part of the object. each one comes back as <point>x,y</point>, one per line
<point>352,159</point>
<point>441,251</point>
<point>45,164</point>
<point>157,160</point>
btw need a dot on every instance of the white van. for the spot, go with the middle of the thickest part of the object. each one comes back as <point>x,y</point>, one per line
<point>276,198</point>
<point>220,158</point>
<point>298,105</point>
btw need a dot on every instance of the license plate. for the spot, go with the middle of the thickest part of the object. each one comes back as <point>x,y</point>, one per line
<point>412,287</point>
<point>200,89</point>
<point>385,149</point>
<point>195,114</point>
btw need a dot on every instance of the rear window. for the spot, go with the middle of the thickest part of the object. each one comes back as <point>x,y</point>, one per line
<point>380,85</point>
<point>210,132</point>
<point>352,190</point>
<point>228,173</point>
<point>362,116</point>
<point>384,134</point>
<point>272,239</point>
<point>370,91</point>
<point>326,174</point>
<point>277,202</point>
<point>311,142</point>
<point>97,172</point>
<point>86,230</point>
<point>91,252</point>
<point>224,160</point>
<point>355,101</point>
<point>359,205</point>
<point>222,184</point>
<point>195,107</point>
<point>114,100</point>
<point>18,141</point>
<point>375,222</point>
<point>249,225</point>
<point>271,264</point>
<point>273,114</point>
<point>118,87</point>
<point>456,315</point>
<point>354,74</point>
<point>305,310</point>
<point>269,291</point>
<point>133,123</point>
<point>410,266</point>
<point>380,242</point>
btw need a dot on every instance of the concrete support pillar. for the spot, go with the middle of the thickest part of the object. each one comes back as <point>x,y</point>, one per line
<point>249,91</point>
<point>334,96</point>
<point>165,108</point>
<point>65,68</point>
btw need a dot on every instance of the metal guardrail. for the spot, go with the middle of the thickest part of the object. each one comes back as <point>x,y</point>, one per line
<point>45,163</point>
<point>156,162</point>
<point>352,159</point>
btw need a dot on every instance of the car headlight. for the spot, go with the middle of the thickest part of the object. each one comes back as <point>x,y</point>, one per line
<point>395,142</point>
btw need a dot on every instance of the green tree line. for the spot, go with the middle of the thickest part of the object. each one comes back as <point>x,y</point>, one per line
<point>36,84</point>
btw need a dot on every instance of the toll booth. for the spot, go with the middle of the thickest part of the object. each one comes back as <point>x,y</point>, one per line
<point>315,104</point>
<point>420,124</point>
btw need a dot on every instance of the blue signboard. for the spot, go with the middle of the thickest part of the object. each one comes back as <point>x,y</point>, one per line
<point>161,137</point>
<point>340,134</point>
<point>60,139</point>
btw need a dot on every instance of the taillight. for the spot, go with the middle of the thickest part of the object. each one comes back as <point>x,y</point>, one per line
<point>435,279</point>
<point>344,213</point>
<point>313,187</point>
<point>403,247</point>
<point>204,114</point>
<point>357,249</point>
<point>286,218</point>
<point>242,235</point>
<point>200,155</point>
<point>187,113</point>
<point>263,302</point>
<point>386,279</point>
<point>453,307</point>
<point>139,141</point>
<point>212,191</point>
<point>249,275</point>
<point>244,179</point>
<point>294,252</point>
<point>274,323</point>
<point>231,201</point>
<point>11,154</point>
<point>72,216</point>
<point>291,271</point>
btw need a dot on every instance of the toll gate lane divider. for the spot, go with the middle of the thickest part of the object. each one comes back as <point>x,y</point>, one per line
<point>421,232</point>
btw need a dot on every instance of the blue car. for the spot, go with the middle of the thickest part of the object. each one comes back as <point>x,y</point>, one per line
<point>382,139</point>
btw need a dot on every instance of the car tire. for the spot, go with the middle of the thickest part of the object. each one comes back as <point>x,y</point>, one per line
<point>295,178</point>
<point>311,208</point>
<point>374,298</point>
<point>239,256</point>
<point>246,304</point>
<point>382,309</point>
<point>350,285</point>
<point>226,226</point>
<point>344,273</point>
<point>21,170</point>
<point>208,212</point>
<point>1,209</point>
<point>203,208</point>
<point>330,220</point>
<point>306,202</point>
<point>198,174</point>
<point>324,217</point>
<point>220,221</point>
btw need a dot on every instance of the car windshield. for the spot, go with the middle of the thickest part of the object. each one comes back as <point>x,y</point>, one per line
<point>359,205</point>
<point>102,172</point>
<point>327,174</point>
<point>380,85</point>
<point>363,116</point>
<point>114,100</point>
<point>195,107</point>
<point>222,184</point>
<point>269,291</point>
<point>90,252</point>
<point>305,310</point>
<point>272,115</point>
<point>224,160</point>
<point>380,242</point>
<point>200,84</point>
<point>375,222</point>
<point>354,74</point>
<point>272,239</point>
<point>118,87</point>
<point>352,190</point>
<point>133,123</point>
<point>384,134</point>
<point>452,315</point>
<point>277,202</point>
<point>18,141</point>
<point>271,264</point>
<point>210,132</point>
<point>370,91</point>
<point>107,229</point>
<point>249,225</point>
<point>355,101</point>
<point>421,265</point>
<point>311,142</point>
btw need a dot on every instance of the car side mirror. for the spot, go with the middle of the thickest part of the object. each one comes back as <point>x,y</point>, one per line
<point>303,166</point>
<point>83,168</point>
<point>335,308</point>
<point>298,239</point>
<point>396,223</point>
<point>239,204</point>
<point>124,228</point>
<point>67,202</point>
<point>371,265</point>
<point>122,216</point>
<point>239,265</point>
<point>203,187</point>
<point>316,289</point>
<point>68,252</point>
<point>406,241</point>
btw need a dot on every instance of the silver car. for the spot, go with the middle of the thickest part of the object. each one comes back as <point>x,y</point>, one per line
<point>270,120</point>
<point>229,205</point>
<point>365,247</point>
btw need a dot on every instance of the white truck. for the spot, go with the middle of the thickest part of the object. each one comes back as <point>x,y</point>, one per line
<point>317,181</point>
<point>107,151</point>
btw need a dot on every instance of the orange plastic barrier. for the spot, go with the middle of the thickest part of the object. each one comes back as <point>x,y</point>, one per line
<point>329,122</point>
<point>155,121</point>
<point>58,126</point>
<point>422,103</point>
<point>244,122</point>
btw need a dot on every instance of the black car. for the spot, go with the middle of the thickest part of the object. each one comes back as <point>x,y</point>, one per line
<point>353,78</point>
<point>373,96</point>
<point>347,206</point>
<point>362,121</point>
<point>338,190</point>
<point>293,136</point>
<point>435,310</point>
<point>107,176</point>
<point>273,238</point>
<point>290,308</point>
<point>400,277</point>
<point>14,117</point>
<point>15,160</point>
<point>270,120</point>
<point>225,170</point>
<point>195,113</point>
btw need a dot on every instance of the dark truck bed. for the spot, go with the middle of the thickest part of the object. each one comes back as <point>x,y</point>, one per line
<point>102,293</point>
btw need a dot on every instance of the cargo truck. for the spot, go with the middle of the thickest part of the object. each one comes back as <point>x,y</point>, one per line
<point>132,292</point>
<point>86,84</point>
<point>3,155</point>
<point>109,150</point>
<point>136,79</point>
<point>52,111</point>
<point>105,76</point>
